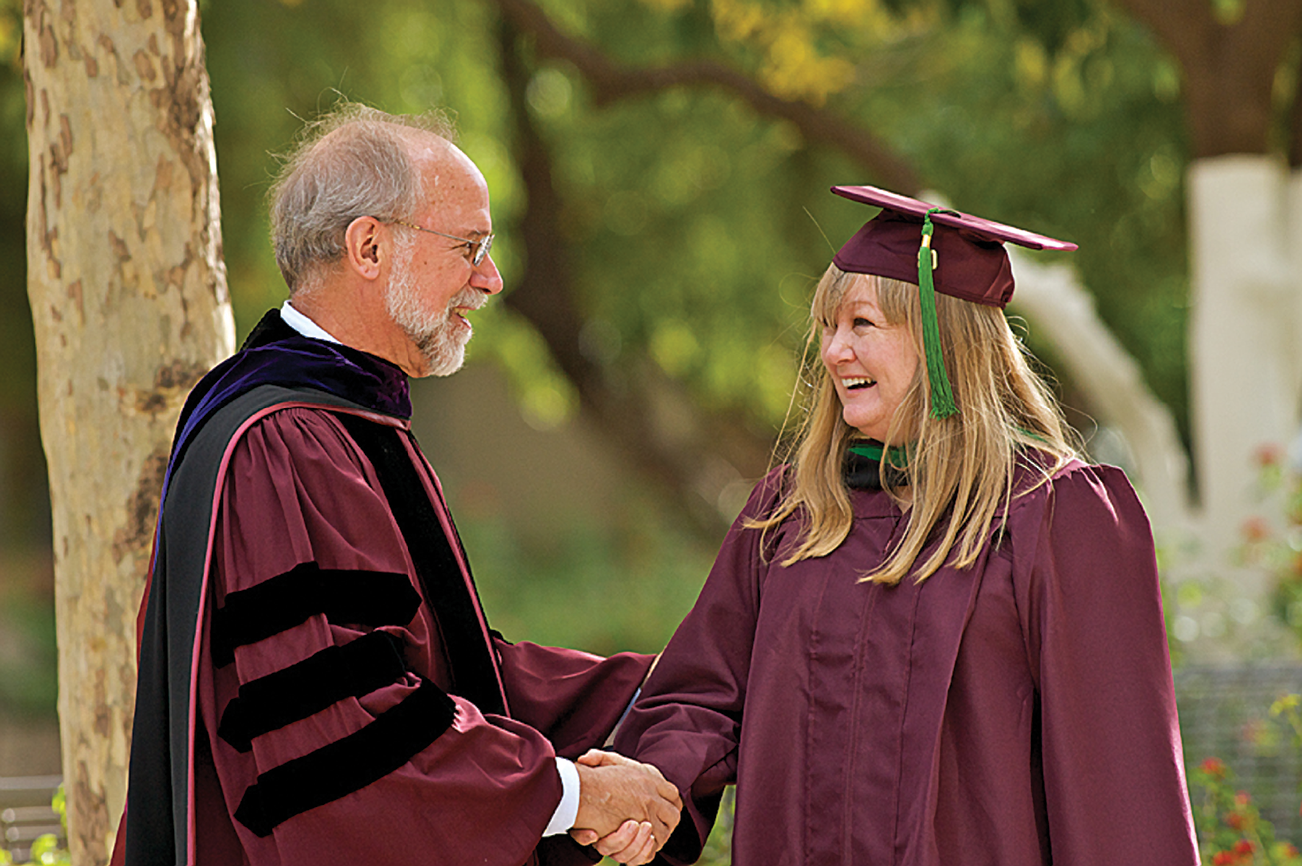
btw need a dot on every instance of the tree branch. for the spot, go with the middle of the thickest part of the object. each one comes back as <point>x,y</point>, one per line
<point>1052,297</point>
<point>1186,29</point>
<point>695,459</point>
<point>611,82</point>
<point>1229,69</point>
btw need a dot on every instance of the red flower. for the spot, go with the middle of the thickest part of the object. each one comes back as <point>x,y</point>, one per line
<point>1214,767</point>
<point>1242,798</point>
<point>1244,847</point>
<point>1224,858</point>
<point>1234,820</point>
<point>1256,529</point>
<point>1268,454</point>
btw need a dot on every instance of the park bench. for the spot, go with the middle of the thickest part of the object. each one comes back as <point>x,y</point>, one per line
<point>26,814</point>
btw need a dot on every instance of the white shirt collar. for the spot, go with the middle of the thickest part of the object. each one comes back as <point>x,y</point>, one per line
<point>303,324</point>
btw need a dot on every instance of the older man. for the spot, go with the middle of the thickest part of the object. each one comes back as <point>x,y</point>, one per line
<point>318,683</point>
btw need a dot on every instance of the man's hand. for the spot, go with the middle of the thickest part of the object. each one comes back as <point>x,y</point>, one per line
<point>625,807</point>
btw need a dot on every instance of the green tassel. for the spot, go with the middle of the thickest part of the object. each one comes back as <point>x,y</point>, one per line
<point>942,398</point>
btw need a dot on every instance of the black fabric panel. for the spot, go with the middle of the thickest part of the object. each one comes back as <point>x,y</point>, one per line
<point>344,596</point>
<point>155,830</point>
<point>864,473</point>
<point>350,764</point>
<point>269,703</point>
<point>474,676</point>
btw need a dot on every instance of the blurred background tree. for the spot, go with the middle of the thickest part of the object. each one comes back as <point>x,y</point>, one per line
<point>659,171</point>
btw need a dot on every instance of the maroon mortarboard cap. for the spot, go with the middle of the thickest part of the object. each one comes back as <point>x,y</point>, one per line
<point>940,250</point>
<point>970,260</point>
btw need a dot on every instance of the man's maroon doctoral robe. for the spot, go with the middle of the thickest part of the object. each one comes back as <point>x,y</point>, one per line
<point>318,681</point>
<point>1016,713</point>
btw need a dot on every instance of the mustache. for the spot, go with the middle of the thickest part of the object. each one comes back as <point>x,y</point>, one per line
<point>469,299</point>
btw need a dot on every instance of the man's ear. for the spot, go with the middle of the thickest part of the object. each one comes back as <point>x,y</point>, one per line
<point>366,244</point>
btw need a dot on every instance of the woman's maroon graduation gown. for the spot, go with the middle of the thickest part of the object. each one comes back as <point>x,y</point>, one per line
<point>1017,713</point>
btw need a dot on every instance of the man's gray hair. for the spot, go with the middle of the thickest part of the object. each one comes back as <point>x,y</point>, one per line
<point>350,163</point>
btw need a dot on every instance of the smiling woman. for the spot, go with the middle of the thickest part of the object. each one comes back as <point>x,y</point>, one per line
<point>871,358</point>
<point>934,608</point>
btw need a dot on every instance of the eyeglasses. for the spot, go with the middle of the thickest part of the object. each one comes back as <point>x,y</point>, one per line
<point>478,249</point>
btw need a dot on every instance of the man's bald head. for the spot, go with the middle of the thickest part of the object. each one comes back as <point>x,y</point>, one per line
<point>356,161</point>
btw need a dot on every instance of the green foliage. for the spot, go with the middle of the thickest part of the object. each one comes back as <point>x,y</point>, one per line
<point>698,227</point>
<point>1230,828</point>
<point>1012,128</point>
<point>27,651</point>
<point>46,849</point>
<point>623,585</point>
<point>24,510</point>
<point>1273,540</point>
<point>718,847</point>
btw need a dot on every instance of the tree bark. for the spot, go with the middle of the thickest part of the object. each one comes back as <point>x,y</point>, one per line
<point>129,301</point>
<point>1229,68</point>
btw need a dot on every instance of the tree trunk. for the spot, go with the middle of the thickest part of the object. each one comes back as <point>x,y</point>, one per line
<point>699,458</point>
<point>1244,222</point>
<point>1244,366</point>
<point>1229,66</point>
<point>1061,311</point>
<point>129,301</point>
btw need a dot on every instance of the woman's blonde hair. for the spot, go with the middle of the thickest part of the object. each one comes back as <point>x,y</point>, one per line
<point>960,469</point>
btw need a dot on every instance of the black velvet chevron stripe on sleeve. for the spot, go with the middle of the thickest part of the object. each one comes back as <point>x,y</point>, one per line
<point>355,597</point>
<point>269,703</point>
<point>350,764</point>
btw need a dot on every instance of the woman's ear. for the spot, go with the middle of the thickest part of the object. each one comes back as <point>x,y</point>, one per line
<point>366,244</point>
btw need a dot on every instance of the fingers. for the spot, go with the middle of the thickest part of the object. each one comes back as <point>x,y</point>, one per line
<point>602,758</point>
<point>627,843</point>
<point>667,791</point>
<point>584,837</point>
<point>646,855</point>
<point>641,855</point>
<point>666,813</point>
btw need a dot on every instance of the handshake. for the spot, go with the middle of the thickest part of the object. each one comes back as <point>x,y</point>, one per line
<point>626,808</point>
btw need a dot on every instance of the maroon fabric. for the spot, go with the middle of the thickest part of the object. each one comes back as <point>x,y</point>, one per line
<point>971,262</point>
<point>298,489</point>
<point>972,270</point>
<point>1019,713</point>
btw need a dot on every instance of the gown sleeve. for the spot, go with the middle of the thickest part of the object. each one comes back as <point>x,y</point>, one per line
<point>573,698</point>
<point>688,720</point>
<point>322,677</point>
<point>1091,610</point>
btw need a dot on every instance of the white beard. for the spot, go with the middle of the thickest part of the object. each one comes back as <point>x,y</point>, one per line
<point>440,340</point>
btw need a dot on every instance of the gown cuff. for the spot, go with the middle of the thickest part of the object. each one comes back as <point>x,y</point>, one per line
<point>568,809</point>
